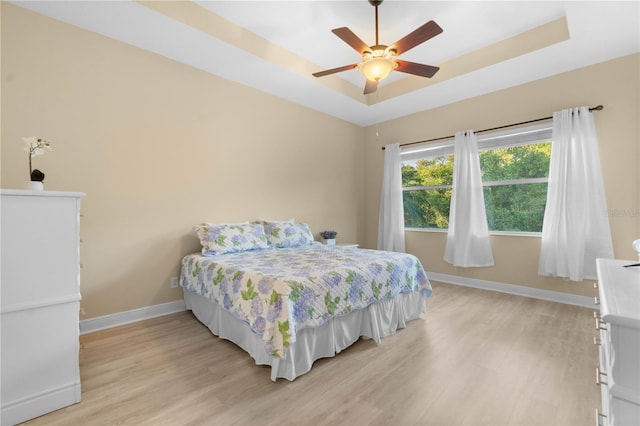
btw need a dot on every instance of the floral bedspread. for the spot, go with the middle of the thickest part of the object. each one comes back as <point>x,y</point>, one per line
<point>280,291</point>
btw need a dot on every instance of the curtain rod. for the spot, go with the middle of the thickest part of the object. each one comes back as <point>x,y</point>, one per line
<point>595,108</point>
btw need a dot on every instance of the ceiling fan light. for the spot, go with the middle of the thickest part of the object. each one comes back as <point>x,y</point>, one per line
<point>376,69</point>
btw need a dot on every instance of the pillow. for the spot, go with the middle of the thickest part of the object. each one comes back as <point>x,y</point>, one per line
<point>230,238</point>
<point>283,234</point>
<point>274,228</point>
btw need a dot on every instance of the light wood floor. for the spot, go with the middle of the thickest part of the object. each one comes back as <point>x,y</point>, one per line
<point>477,358</point>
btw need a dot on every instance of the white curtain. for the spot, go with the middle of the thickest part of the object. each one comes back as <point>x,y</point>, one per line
<point>575,230</point>
<point>391,219</point>
<point>468,241</point>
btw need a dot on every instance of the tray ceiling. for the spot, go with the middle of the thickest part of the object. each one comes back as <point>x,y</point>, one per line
<point>274,46</point>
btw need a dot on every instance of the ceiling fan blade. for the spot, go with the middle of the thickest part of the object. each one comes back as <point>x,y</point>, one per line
<point>416,69</point>
<point>420,35</point>
<point>351,39</point>
<point>370,86</point>
<point>334,70</point>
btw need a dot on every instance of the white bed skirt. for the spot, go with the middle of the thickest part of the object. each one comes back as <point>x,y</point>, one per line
<point>375,322</point>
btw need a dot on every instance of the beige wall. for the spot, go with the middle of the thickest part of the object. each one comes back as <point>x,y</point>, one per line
<point>614,84</point>
<point>158,146</point>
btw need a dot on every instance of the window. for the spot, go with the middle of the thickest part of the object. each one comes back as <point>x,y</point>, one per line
<point>515,170</point>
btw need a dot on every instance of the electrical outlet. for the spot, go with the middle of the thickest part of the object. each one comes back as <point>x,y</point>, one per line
<point>174,282</point>
<point>82,312</point>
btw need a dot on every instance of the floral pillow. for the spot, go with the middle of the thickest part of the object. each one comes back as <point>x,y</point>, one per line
<point>283,234</point>
<point>230,238</point>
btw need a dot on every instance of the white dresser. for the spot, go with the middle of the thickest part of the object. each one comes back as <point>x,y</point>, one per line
<point>40,302</point>
<point>618,321</point>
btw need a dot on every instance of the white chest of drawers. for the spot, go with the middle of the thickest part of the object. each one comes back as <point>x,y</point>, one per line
<point>40,302</point>
<point>619,324</point>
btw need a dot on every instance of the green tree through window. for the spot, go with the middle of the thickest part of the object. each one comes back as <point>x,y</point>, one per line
<point>514,180</point>
<point>427,192</point>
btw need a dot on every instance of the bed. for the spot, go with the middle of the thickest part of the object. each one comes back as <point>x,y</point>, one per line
<point>288,300</point>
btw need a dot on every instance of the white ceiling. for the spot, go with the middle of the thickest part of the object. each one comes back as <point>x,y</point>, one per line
<point>598,31</point>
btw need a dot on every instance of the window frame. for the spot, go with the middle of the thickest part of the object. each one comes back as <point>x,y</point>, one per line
<point>513,137</point>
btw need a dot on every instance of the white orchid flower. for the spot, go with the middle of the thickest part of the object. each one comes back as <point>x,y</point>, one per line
<point>36,146</point>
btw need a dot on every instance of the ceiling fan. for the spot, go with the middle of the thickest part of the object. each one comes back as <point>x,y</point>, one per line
<point>379,60</point>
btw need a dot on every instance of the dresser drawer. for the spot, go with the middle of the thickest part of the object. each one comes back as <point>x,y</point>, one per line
<point>601,381</point>
<point>623,412</point>
<point>623,360</point>
<point>604,341</point>
<point>618,326</point>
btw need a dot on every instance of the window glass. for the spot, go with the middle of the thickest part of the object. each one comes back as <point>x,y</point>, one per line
<point>427,192</point>
<point>515,208</point>
<point>515,169</point>
<point>515,186</point>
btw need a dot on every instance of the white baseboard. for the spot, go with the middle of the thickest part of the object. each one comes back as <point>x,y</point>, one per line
<point>127,317</point>
<point>37,404</point>
<point>536,293</point>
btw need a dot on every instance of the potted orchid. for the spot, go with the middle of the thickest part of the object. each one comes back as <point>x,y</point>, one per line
<point>329,237</point>
<point>36,146</point>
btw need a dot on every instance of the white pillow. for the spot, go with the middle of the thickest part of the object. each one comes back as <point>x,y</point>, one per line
<point>231,238</point>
